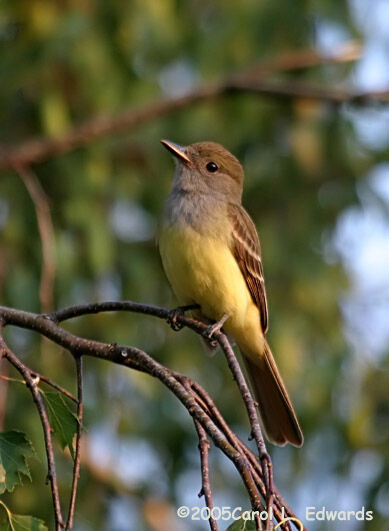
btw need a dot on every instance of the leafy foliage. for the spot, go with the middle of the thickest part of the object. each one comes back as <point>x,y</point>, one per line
<point>62,419</point>
<point>242,525</point>
<point>15,449</point>
<point>18,522</point>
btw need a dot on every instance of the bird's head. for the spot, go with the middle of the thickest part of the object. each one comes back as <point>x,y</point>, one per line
<point>207,167</point>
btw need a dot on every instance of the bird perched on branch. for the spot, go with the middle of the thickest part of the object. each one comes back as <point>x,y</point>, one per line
<point>212,257</point>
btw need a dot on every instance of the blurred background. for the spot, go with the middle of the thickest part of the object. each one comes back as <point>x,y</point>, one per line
<point>317,187</point>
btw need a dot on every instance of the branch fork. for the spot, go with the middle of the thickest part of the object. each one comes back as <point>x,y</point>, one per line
<point>255,469</point>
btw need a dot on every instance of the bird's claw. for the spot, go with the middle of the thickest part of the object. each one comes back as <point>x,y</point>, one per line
<point>176,313</point>
<point>172,319</point>
<point>216,327</point>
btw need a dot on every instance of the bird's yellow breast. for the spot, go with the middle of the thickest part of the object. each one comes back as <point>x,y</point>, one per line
<point>203,270</point>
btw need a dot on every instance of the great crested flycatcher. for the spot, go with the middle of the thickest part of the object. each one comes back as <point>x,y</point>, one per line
<point>212,257</point>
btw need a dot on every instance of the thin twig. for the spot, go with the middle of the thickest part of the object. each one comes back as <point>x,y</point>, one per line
<point>254,421</point>
<point>205,483</point>
<point>77,456</point>
<point>46,233</point>
<point>32,383</point>
<point>42,378</point>
<point>245,392</point>
<point>56,386</point>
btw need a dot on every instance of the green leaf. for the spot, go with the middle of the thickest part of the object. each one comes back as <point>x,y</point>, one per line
<point>242,525</point>
<point>15,448</point>
<point>62,419</point>
<point>19,522</point>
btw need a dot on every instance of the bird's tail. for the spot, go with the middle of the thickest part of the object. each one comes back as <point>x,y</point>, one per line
<point>278,416</point>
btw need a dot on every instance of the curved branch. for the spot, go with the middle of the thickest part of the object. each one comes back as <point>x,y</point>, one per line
<point>251,81</point>
<point>46,232</point>
<point>258,483</point>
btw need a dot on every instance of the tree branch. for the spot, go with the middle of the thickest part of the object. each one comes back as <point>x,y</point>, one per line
<point>252,81</point>
<point>255,477</point>
<point>46,233</point>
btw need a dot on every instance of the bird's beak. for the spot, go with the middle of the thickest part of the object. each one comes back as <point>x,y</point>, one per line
<point>177,150</point>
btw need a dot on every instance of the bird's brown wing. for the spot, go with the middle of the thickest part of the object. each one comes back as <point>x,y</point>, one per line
<point>247,252</point>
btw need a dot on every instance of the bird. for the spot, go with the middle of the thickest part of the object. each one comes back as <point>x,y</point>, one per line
<point>211,255</point>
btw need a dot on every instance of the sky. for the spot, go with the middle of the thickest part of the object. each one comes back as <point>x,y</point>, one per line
<point>361,238</point>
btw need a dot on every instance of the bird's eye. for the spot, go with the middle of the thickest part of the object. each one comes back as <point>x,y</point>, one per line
<point>212,167</point>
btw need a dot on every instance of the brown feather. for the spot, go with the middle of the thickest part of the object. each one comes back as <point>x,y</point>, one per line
<point>247,252</point>
<point>277,413</point>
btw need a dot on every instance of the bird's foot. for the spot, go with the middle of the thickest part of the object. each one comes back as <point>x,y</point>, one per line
<point>216,327</point>
<point>175,313</point>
